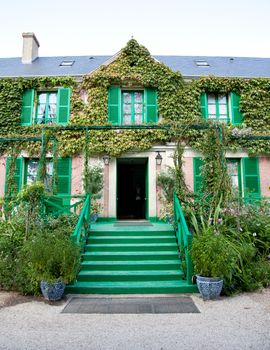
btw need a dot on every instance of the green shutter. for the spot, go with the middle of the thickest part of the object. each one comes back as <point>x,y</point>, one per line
<point>197,163</point>
<point>114,96</point>
<point>63,105</point>
<point>237,116</point>
<point>251,178</point>
<point>64,176</point>
<point>151,105</point>
<point>17,175</point>
<point>27,107</point>
<point>204,105</point>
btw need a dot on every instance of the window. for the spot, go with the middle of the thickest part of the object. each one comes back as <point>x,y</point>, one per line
<point>202,63</point>
<point>132,107</point>
<point>45,107</point>
<point>244,174</point>
<point>26,171</point>
<point>31,173</point>
<point>217,106</point>
<point>234,171</point>
<point>66,63</point>
<point>221,107</point>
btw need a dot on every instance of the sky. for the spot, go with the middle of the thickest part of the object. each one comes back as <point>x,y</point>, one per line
<point>165,27</point>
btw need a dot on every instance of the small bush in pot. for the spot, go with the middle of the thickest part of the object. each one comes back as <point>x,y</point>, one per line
<point>55,262</point>
<point>214,258</point>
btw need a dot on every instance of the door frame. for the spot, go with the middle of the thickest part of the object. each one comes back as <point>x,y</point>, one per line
<point>146,184</point>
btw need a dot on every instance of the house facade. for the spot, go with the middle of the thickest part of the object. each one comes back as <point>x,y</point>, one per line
<point>130,107</point>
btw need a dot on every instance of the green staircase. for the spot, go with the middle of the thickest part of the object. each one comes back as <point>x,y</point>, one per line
<point>131,259</point>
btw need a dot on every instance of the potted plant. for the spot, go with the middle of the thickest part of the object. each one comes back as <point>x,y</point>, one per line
<point>54,260</point>
<point>214,258</point>
<point>95,210</point>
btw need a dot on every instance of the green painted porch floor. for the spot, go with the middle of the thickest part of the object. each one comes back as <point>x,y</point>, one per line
<point>130,258</point>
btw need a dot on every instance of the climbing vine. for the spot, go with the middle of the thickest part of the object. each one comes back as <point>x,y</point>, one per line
<point>178,104</point>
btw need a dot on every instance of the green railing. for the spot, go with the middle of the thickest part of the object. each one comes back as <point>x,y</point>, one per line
<point>57,205</point>
<point>184,238</point>
<point>83,225</point>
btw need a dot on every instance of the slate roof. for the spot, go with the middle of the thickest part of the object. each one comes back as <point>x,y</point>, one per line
<point>245,67</point>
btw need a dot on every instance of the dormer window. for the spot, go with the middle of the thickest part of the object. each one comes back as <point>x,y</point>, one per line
<point>66,63</point>
<point>202,63</point>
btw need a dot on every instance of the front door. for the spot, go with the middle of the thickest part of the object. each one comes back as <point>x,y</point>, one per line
<point>132,188</point>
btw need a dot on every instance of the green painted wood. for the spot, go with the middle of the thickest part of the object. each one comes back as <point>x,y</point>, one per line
<point>204,106</point>
<point>127,239</point>
<point>27,107</point>
<point>237,115</point>
<point>131,259</point>
<point>197,163</point>
<point>63,106</point>
<point>144,255</point>
<point>151,105</point>
<point>131,287</point>
<point>135,275</point>
<point>251,178</point>
<point>138,247</point>
<point>64,176</point>
<point>114,104</point>
<point>132,265</point>
<point>18,175</point>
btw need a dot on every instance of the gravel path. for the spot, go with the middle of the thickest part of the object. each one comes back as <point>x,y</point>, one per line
<point>240,322</point>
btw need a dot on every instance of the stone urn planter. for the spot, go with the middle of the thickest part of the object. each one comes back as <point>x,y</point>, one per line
<point>209,287</point>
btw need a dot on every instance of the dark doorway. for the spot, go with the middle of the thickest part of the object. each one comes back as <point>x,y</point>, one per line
<point>131,188</point>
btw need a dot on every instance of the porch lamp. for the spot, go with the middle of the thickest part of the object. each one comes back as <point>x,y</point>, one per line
<point>106,159</point>
<point>158,158</point>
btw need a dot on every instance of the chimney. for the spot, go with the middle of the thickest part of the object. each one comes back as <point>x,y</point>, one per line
<point>30,48</point>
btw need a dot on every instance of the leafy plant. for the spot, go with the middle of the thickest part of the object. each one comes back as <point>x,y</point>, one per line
<point>93,181</point>
<point>53,258</point>
<point>212,254</point>
<point>166,180</point>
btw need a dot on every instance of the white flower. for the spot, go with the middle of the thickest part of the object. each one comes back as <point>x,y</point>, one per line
<point>254,234</point>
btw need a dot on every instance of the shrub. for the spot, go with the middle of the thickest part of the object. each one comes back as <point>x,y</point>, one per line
<point>212,254</point>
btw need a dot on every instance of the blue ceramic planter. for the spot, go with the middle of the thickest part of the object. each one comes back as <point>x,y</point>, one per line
<point>52,291</point>
<point>210,288</point>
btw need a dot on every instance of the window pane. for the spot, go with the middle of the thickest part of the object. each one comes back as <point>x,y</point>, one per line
<point>211,109</point>
<point>52,98</point>
<point>138,108</point>
<point>41,113</point>
<point>127,119</point>
<point>223,109</point>
<point>138,96</point>
<point>211,99</point>
<point>48,176</point>
<point>32,168</point>
<point>127,109</point>
<point>232,168</point>
<point>127,97</point>
<point>234,180</point>
<point>222,99</point>
<point>42,98</point>
<point>138,119</point>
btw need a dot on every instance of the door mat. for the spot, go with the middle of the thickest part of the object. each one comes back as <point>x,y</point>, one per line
<point>133,223</point>
<point>172,305</point>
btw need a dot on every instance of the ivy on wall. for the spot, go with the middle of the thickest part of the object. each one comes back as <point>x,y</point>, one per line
<point>178,104</point>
